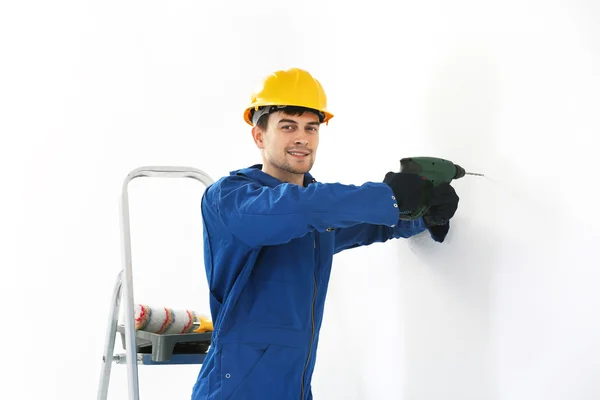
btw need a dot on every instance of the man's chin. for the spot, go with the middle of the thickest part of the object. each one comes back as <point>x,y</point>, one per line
<point>297,168</point>
<point>300,170</point>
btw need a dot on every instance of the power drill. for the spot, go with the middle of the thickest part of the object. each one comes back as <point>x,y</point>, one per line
<point>436,171</point>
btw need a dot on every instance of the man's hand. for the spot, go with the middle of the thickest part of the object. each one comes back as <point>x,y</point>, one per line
<point>443,204</point>
<point>408,189</point>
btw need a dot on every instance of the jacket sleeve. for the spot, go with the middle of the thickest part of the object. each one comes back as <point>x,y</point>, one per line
<point>259,215</point>
<point>366,234</point>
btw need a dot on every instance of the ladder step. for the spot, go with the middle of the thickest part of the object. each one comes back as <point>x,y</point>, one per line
<point>176,359</point>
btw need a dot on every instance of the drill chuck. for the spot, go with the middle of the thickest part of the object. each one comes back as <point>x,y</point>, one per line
<point>460,172</point>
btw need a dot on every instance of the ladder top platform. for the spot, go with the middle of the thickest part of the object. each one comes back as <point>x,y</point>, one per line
<point>185,348</point>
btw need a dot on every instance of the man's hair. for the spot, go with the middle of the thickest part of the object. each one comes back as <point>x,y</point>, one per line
<point>263,120</point>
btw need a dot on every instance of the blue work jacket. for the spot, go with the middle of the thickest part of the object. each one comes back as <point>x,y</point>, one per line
<point>268,250</point>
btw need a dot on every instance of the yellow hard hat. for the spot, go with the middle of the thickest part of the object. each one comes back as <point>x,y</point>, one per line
<point>292,87</point>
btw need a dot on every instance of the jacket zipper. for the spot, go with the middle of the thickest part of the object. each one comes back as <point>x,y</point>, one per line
<point>312,317</point>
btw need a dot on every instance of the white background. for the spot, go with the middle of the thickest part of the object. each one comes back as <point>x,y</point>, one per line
<point>506,309</point>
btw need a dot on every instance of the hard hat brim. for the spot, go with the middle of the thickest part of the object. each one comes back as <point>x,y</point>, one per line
<point>248,113</point>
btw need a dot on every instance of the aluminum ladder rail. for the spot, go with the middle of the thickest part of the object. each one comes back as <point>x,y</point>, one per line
<point>126,275</point>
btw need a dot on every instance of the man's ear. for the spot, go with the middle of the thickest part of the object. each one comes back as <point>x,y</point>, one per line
<point>258,136</point>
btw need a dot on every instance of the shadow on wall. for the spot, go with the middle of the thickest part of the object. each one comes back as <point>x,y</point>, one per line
<point>447,290</point>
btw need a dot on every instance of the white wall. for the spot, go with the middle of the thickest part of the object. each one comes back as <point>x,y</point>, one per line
<point>505,309</point>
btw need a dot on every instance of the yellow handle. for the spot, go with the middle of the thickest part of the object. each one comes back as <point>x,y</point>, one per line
<point>206,325</point>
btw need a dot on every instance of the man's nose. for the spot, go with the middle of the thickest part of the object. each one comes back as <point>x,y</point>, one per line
<point>302,142</point>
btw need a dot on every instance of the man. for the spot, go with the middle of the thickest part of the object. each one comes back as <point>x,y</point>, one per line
<point>270,233</point>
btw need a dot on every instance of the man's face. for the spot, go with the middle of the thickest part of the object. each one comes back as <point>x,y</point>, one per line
<point>290,142</point>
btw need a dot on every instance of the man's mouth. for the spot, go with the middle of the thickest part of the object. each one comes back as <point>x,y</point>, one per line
<point>299,153</point>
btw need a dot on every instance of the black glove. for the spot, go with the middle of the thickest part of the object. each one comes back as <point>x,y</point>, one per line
<point>408,189</point>
<point>443,204</point>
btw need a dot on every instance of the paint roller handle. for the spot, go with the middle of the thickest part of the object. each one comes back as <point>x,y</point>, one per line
<point>204,325</point>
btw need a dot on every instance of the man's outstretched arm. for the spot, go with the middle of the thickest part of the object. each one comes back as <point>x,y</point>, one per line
<point>260,216</point>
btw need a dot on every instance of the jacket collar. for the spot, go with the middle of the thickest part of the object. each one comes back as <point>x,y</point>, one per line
<point>255,172</point>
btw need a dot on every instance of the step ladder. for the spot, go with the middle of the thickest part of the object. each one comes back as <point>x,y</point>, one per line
<point>141,347</point>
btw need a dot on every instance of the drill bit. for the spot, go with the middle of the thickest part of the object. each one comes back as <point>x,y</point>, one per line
<point>460,172</point>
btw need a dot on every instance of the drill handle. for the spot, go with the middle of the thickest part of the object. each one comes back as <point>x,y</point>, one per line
<point>414,165</point>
